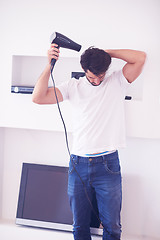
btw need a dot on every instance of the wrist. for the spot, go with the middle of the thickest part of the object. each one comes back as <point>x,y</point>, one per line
<point>48,66</point>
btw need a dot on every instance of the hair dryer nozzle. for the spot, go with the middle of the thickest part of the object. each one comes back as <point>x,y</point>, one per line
<point>64,42</point>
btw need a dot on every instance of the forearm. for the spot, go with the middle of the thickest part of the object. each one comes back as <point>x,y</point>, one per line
<point>127,55</point>
<point>134,62</point>
<point>42,94</point>
<point>41,87</point>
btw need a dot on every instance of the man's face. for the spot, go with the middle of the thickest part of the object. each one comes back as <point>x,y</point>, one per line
<point>93,79</point>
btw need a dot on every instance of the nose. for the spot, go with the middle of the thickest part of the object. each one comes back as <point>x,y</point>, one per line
<point>96,81</point>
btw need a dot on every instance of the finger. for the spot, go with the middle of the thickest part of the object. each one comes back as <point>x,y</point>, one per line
<point>50,56</point>
<point>53,52</point>
<point>54,49</point>
<point>53,55</point>
<point>54,45</point>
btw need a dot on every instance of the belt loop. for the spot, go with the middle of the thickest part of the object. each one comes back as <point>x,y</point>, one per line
<point>74,158</point>
<point>77,159</point>
<point>103,156</point>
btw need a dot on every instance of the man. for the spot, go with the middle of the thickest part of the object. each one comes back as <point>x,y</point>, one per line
<point>99,131</point>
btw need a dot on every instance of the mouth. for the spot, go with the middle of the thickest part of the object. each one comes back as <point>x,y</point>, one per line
<point>93,83</point>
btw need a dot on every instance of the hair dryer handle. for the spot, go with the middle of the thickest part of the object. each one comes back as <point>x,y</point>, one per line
<point>53,62</point>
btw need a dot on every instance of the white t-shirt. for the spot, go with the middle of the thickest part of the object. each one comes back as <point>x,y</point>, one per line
<point>98,113</point>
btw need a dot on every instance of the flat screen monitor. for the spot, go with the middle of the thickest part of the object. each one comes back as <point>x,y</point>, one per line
<point>43,200</point>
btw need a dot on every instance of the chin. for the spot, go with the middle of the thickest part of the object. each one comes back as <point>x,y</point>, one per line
<point>95,84</point>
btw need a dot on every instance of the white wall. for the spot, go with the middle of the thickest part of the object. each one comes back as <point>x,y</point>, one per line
<point>26,27</point>
<point>140,170</point>
<point>141,192</point>
<point>21,145</point>
<point>1,166</point>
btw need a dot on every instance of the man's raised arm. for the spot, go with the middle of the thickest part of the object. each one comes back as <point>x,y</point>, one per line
<point>42,94</point>
<point>135,61</point>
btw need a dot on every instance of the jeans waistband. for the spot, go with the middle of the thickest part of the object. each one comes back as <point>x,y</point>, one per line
<point>98,159</point>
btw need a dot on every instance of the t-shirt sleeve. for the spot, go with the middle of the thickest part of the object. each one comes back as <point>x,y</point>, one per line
<point>63,88</point>
<point>122,80</point>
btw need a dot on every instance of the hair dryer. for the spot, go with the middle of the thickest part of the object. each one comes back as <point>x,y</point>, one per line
<point>64,42</point>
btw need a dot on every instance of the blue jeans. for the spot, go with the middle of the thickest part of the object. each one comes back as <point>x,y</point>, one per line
<point>102,176</point>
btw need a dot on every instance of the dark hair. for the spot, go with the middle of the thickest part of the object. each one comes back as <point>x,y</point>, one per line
<point>95,60</point>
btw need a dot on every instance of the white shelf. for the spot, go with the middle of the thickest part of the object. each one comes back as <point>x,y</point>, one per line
<point>20,112</point>
<point>27,69</point>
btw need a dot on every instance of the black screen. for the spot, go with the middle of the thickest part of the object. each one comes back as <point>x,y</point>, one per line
<point>43,195</point>
<point>46,197</point>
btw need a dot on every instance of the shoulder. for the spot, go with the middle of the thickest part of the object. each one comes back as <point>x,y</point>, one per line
<point>66,84</point>
<point>119,78</point>
<point>68,87</point>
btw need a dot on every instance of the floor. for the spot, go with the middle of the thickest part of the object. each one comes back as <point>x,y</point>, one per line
<point>8,230</point>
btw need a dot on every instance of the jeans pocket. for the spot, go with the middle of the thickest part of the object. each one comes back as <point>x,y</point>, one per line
<point>112,165</point>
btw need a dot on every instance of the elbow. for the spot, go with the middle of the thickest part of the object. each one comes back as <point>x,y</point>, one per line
<point>143,58</point>
<point>35,99</point>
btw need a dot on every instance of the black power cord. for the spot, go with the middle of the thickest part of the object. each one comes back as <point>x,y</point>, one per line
<point>66,137</point>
